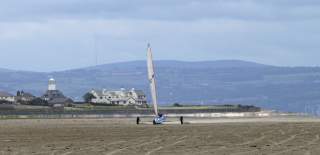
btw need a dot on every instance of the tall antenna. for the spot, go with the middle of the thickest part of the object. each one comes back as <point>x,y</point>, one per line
<point>95,48</point>
<point>95,53</point>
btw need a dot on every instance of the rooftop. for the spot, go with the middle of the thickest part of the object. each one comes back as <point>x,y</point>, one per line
<point>5,94</point>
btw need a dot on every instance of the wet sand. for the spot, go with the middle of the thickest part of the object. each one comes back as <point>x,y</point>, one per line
<point>275,136</point>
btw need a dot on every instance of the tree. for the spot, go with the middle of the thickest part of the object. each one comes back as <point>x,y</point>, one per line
<point>88,97</point>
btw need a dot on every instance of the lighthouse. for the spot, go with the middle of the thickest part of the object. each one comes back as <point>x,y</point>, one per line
<point>52,84</point>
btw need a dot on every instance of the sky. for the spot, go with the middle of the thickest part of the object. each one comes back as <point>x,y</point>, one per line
<point>54,35</point>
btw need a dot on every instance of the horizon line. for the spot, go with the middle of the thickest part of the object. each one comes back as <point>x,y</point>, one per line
<point>130,61</point>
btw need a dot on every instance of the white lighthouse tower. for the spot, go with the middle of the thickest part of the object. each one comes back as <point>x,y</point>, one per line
<point>52,84</point>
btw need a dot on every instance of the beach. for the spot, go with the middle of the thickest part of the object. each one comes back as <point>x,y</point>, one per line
<point>116,136</point>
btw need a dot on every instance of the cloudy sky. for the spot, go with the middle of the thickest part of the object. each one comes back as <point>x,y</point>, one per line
<point>51,35</point>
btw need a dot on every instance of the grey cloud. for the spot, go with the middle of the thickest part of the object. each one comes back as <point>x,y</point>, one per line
<point>280,32</point>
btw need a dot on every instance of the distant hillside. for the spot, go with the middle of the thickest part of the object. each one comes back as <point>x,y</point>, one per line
<point>295,89</point>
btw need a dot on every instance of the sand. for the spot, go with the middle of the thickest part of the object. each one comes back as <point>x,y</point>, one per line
<point>275,136</point>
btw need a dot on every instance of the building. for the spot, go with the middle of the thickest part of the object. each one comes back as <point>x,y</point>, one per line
<point>52,84</point>
<point>121,97</point>
<point>24,96</point>
<point>54,96</point>
<point>7,97</point>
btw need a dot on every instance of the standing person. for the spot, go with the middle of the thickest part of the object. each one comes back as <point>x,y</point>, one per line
<point>181,119</point>
<point>138,120</point>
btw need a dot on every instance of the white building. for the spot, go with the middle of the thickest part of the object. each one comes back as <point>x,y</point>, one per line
<point>52,84</point>
<point>4,96</point>
<point>121,97</point>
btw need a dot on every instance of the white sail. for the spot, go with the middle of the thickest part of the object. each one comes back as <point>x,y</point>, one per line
<point>152,80</point>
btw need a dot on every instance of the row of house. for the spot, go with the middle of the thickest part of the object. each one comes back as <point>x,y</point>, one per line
<point>4,96</point>
<point>51,97</point>
<point>55,97</point>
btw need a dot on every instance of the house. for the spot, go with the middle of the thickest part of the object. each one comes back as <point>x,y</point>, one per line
<point>121,97</point>
<point>6,97</point>
<point>54,96</point>
<point>24,96</point>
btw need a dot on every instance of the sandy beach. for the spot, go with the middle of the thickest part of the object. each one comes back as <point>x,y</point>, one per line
<point>276,136</point>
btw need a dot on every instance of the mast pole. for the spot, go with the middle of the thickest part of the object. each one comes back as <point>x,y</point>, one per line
<point>152,80</point>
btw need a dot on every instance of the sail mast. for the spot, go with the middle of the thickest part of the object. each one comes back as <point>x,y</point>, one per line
<point>152,80</point>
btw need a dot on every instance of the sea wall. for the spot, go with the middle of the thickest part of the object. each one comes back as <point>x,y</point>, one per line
<point>109,113</point>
